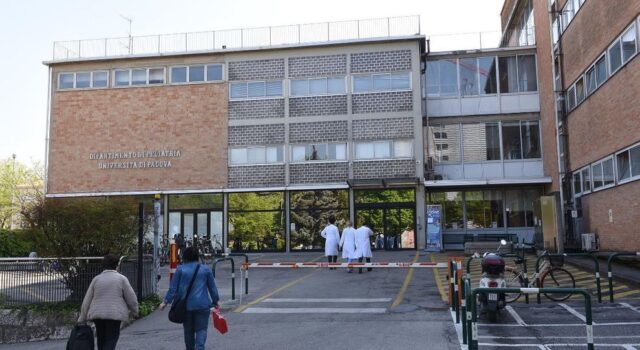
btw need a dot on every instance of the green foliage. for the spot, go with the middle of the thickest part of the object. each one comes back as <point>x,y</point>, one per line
<point>15,243</point>
<point>310,214</point>
<point>147,305</point>
<point>256,219</point>
<point>20,186</point>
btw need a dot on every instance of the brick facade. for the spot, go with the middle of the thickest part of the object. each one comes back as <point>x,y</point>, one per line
<point>256,70</point>
<point>270,134</point>
<point>317,66</point>
<point>384,169</point>
<point>256,176</point>
<point>318,173</point>
<point>318,132</point>
<point>317,105</point>
<point>256,109</point>
<point>378,129</point>
<point>384,61</point>
<point>400,101</point>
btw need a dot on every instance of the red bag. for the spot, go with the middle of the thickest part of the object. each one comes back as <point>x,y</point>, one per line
<point>219,322</point>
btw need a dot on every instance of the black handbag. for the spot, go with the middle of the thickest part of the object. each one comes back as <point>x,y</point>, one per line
<point>178,311</point>
<point>81,338</point>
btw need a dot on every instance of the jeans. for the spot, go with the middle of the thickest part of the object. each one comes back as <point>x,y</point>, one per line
<point>195,329</point>
<point>107,332</point>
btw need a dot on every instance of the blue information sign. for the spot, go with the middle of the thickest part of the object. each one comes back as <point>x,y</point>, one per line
<point>434,228</point>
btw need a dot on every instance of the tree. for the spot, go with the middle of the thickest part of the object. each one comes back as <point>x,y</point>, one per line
<point>21,187</point>
<point>310,214</point>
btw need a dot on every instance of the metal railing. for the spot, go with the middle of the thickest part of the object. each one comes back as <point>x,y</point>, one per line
<point>473,41</point>
<point>237,38</point>
<point>45,280</point>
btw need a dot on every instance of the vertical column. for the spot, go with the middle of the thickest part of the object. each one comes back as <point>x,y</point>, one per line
<point>287,221</point>
<point>285,149</point>
<point>418,148</point>
<point>225,220</point>
<point>350,145</point>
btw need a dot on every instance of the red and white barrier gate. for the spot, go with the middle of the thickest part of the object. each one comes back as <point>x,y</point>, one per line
<point>296,265</point>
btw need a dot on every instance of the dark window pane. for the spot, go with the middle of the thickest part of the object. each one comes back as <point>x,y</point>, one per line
<point>635,161</point>
<point>179,74</point>
<point>579,91</point>
<point>487,69</point>
<point>527,73</point>
<point>515,208</point>
<point>214,72</point>
<point>484,209</point>
<point>511,140</point>
<point>624,166</point>
<point>577,183</point>
<point>571,98</point>
<point>601,70</point>
<point>586,180</point>
<point>530,140</point>
<point>468,77</point>
<point>615,57</point>
<point>195,201</point>
<point>508,74</point>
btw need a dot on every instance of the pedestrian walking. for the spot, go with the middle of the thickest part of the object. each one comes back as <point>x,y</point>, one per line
<point>181,244</point>
<point>363,244</point>
<point>348,244</point>
<point>201,298</point>
<point>108,302</point>
<point>332,239</point>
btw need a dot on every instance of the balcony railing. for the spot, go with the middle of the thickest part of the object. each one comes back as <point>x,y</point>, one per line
<point>478,40</point>
<point>237,38</point>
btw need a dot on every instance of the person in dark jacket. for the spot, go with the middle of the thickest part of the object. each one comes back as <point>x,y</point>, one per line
<point>203,296</point>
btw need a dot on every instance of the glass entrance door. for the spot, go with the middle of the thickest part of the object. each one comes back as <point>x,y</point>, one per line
<point>393,227</point>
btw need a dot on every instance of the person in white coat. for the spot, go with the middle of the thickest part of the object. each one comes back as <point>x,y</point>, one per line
<point>363,244</point>
<point>348,243</point>
<point>332,238</point>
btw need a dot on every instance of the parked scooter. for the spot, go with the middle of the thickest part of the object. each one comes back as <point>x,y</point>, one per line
<point>493,267</point>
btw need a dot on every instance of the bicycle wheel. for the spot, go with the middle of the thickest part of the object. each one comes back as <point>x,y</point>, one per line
<point>557,278</point>
<point>513,280</point>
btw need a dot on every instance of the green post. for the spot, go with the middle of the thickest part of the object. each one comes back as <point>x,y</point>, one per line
<point>610,270</point>
<point>596,269</point>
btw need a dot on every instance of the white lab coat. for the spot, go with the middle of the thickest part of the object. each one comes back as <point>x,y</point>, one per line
<point>332,238</point>
<point>348,243</point>
<point>363,245</point>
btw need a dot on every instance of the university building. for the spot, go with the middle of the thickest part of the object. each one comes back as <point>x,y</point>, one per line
<point>254,137</point>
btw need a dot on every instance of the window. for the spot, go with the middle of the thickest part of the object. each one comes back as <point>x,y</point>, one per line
<point>122,77</point>
<point>615,57</point>
<point>448,136</point>
<point>310,211</point>
<point>382,82</point>
<point>602,172</point>
<point>99,79</point>
<point>481,142</point>
<point>591,80</point>
<point>178,75</point>
<point>442,146</point>
<point>196,73</point>
<point>571,98</point>
<point>628,164</point>
<point>512,147</point>
<point>214,72</point>
<point>601,70</point>
<point>255,155</point>
<point>586,180</point>
<point>138,76</point>
<point>442,78</point>
<point>484,209</point>
<point>256,89</point>
<point>577,183</point>
<point>508,74</point>
<point>468,76</point>
<point>530,132</point>
<point>319,151</point>
<point>579,91</point>
<point>527,73</point>
<point>65,80</point>
<point>156,75</point>
<point>317,86</point>
<point>519,204</point>
<point>487,71</point>
<point>629,43</point>
<point>83,80</point>
<point>452,208</point>
<point>384,149</point>
<point>256,221</point>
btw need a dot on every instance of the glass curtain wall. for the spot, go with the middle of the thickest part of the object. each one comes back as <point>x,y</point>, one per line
<point>310,211</point>
<point>199,214</point>
<point>390,214</point>
<point>256,221</point>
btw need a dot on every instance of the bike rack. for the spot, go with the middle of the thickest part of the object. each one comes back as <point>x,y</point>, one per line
<point>595,261</point>
<point>246,271</point>
<point>524,269</point>
<point>466,290</point>
<point>233,274</point>
<point>455,280</point>
<point>472,333</point>
<point>610,270</point>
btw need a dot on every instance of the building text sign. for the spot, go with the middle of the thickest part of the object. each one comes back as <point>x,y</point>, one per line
<point>149,159</point>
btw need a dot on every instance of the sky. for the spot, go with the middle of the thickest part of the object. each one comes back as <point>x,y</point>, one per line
<point>28,29</point>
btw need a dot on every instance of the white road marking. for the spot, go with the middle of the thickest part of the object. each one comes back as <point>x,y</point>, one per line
<point>549,345</point>
<point>561,324</point>
<point>574,312</point>
<point>558,337</point>
<point>458,327</point>
<point>515,316</point>
<point>629,347</point>
<point>630,307</point>
<point>327,300</point>
<point>310,310</point>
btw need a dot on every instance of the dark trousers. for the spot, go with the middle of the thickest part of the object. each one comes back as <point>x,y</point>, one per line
<point>368,268</point>
<point>195,329</point>
<point>108,332</point>
<point>332,258</point>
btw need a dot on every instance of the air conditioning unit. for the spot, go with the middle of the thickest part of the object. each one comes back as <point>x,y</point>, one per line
<point>589,242</point>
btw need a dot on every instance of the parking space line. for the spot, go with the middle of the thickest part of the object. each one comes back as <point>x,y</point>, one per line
<point>515,316</point>
<point>548,346</point>
<point>405,285</point>
<point>439,284</point>
<point>574,312</point>
<point>630,307</point>
<point>560,324</point>
<point>312,310</point>
<point>629,347</point>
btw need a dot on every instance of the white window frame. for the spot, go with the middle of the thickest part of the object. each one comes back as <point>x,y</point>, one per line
<point>326,145</point>
<point>391,150</point>
<point>632,177</point>
<point>614,71</point>
<point>246,148</point>
<point>632,27</point>
<point>584,90</point>
<point>326,78</point>
<point>164,76</point>
<point>74,83</point>
<point>600,163</point>
<point>265,97</point>
<point>571,92</point>
<point>372,91</point>
<point>188,66</point>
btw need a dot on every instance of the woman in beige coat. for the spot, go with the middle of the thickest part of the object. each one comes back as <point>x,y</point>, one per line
<point>108,302</point>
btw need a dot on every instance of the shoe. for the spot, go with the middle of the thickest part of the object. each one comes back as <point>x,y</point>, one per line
<point>349,271</point>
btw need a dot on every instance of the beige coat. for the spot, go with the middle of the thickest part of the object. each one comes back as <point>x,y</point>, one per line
<point>109,297</point>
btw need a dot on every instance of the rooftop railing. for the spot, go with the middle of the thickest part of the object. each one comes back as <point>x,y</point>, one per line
<point>477,40</point>
<point>236,38</point>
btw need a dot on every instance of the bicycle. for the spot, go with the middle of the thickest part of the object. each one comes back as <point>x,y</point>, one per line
<point>551,274</point>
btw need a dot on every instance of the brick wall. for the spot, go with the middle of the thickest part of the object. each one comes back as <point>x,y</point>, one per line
<point>256,109</point>
<point>256,135</point>
<point>318,132</point>
<point>400,101</point>
<point>317,66</point>
<point>256,176</point>
<point>256,70</point>
<point>317,105</point>
<point>378,129</point>
<point>624,201</point>
<point>318,173</point>
<point>385,61</point>
<point>384,169</point>
<point>189,118</point>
